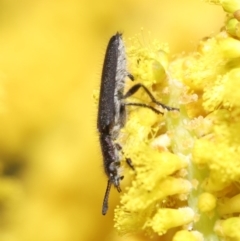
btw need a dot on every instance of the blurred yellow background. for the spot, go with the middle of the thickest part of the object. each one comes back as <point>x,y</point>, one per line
<point>51,55</point>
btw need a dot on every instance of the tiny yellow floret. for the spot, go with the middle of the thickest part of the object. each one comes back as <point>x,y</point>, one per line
<point>228,5</point>
<point>185,235</point>
<point>231,26</point>
<point>167,218</point>
<point>228,229</point>
<point>230,47</point>
<point>229,205</point>
<point>206,202</point>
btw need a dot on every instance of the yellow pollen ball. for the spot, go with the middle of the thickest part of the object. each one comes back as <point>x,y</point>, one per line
<point>206,202</point>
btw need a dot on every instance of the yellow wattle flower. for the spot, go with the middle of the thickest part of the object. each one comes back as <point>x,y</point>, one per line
<point>187,163</point>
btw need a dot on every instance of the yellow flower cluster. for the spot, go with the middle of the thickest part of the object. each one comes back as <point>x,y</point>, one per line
<point>187,163</point>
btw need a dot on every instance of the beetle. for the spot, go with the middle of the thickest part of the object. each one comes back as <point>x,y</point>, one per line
<point>112,110</point>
